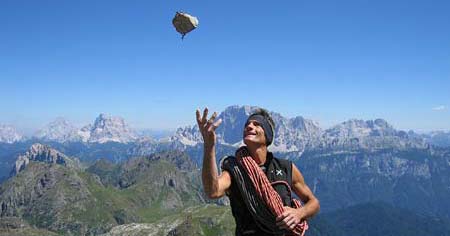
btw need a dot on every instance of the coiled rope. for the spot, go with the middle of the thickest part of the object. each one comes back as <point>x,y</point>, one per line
<point>263,202</point>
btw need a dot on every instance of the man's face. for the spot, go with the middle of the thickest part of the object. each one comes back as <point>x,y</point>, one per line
<point>254,133</point>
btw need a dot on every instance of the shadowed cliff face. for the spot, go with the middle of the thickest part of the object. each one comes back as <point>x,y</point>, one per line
<point>418,180</point>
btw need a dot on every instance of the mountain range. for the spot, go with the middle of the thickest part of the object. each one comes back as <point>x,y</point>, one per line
<point>370,178</point>
<point>299,134</point>
<point>105,128</point>
<point>376,193</point>
<point>291,134</point>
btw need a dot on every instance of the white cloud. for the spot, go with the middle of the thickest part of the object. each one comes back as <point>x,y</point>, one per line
<point>440,108</point>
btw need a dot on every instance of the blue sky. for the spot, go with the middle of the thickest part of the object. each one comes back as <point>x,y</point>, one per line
<point>325,60</point>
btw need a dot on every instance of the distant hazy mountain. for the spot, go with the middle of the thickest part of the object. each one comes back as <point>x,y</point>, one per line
<point>9,134</point>
<point>371,134</point>
<point>105,128</point>
<point>436,138</point>
<point>59,130</point>
<point>154,133</point>
<point>295,134</point>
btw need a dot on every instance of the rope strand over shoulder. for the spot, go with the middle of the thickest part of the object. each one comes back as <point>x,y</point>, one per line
<point>269,198</point>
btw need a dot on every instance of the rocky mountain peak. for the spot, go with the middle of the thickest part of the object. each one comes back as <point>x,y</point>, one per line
<point>233,121</point>
<point>294,134</point>
<point>104,120</point>
<point>109,128</point>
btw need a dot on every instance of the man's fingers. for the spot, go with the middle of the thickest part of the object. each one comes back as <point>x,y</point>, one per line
<point>285,224</point>
<point>280,220</point>
<point>215,125</point>
<point>197,114</point>
<point>290,221</point>
<point>205,114</point>
<point>213,117</point>
<point>282,216</point>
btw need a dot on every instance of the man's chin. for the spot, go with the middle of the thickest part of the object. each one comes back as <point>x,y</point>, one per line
<point>249,141</point>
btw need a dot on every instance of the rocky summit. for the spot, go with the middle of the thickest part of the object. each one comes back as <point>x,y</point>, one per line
<point>43,153</point>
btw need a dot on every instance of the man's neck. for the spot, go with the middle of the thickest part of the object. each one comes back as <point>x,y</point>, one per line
<point>259,154</point>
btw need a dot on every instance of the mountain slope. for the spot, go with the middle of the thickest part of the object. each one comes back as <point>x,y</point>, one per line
<point>415,179</point>
<point>374,219</point>
<point>61,198</point>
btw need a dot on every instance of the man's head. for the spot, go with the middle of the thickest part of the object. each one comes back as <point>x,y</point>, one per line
<point>259,128</point>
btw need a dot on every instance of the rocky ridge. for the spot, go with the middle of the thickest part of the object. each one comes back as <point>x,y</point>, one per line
<point>43,153</point>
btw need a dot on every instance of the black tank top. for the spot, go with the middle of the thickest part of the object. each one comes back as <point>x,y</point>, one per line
<point>276,170</point>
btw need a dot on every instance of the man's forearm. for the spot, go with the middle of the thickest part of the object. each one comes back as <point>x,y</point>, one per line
<point>309,209</point>
<point>209,171</point>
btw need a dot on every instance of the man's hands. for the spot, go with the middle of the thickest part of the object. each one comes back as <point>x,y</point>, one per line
<point>207,127</point>
<point>213,184</point>
<point>290,218</point>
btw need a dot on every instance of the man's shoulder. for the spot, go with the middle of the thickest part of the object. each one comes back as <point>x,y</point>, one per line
<point>283,162</point>
<point>227,163</point>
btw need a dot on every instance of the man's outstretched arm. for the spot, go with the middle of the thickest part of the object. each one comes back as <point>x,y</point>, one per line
<point>213,184</point>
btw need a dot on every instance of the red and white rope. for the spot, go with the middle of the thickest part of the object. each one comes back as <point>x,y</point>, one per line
<point>265,190</point>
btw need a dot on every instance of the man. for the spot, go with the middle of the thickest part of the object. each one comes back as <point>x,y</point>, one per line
<point>258,134</point>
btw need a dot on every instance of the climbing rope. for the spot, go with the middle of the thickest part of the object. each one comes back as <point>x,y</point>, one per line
<point>263,202</point>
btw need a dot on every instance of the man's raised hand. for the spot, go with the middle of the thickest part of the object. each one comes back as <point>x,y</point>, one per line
<point>208,126</point>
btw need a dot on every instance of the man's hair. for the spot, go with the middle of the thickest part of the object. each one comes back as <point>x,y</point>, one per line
<point>265,114</point>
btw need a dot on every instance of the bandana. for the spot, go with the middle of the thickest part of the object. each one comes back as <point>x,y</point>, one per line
<point>267,127</point>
